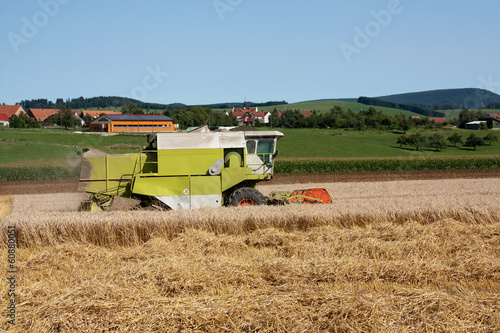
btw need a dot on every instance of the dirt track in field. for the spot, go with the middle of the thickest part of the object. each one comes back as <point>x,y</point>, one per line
<point>71,186</point>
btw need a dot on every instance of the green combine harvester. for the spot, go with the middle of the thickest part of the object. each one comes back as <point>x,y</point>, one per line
<point>184,171</point>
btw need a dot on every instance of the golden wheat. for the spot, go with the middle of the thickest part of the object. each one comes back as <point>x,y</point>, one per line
<point>390,257</point>
<point>5,205</point>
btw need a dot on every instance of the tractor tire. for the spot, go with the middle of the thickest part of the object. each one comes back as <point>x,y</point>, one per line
<point>246,196</point>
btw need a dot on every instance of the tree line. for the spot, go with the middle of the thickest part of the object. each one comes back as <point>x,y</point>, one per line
<point>437,141</point>
<point>370,119</point>
<point>407,107</point>
<point>102,102</point>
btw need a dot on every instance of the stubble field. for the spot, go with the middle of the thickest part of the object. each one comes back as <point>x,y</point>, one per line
<point>391,256</point>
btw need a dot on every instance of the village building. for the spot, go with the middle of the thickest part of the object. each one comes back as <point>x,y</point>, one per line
<point>41,115</point>
<point>133,123</point>
<point>247,116</point>
<point>97,113</point>
<point>10,110</point>
<point>4,120</point>
<point>437,120</point>
<point>475,125</point>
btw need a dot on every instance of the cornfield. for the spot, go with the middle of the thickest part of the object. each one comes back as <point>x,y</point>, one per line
<point>393,164</point>
<point>402,256</point>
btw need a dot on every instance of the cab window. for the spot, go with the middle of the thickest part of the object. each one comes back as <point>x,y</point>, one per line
<point>251,147</point>
<point>265,147</point>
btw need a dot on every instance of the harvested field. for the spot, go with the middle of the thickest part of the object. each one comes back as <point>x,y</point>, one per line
<point>396,256</point>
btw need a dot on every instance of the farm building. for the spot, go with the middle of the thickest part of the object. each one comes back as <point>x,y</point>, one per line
<point>10,110</point>
<point>41,114</point>
<point>96,114</point>
<point>247,116</point>
<point>4,119</point>
<point>474,125</point>
<point>133,123</point>
<point>437,120</point>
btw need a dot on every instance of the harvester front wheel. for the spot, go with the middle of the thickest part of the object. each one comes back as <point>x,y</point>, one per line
<point>246,196</point>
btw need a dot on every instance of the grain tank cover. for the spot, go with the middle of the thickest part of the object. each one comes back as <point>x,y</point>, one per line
<point>211,140</point>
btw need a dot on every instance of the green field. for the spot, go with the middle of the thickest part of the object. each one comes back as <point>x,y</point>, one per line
<point>57,149</point>
<point>335,143</point>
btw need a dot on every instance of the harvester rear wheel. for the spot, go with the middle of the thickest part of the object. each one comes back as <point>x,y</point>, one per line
<point>246,196</point>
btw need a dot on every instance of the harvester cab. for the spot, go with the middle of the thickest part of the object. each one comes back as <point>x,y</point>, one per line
<point>183,171</point>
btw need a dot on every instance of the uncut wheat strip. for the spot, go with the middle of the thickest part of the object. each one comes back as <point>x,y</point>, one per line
<point>134,227</point>
<point>57,202</point>
<point>5,205</point>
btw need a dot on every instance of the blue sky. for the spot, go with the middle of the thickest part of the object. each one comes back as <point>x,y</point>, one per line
<point>209,51</point>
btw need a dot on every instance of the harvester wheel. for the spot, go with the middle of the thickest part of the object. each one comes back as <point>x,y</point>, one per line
<point>246,196</point>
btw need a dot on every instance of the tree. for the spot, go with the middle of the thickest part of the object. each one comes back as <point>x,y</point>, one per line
<point>21,121</point>
<point>473,141</point>
<point>455,138</point>
<point>87,119</point>
<point>132,109</point>
<point>490,138</point>
<point>403,140</point>
<point>66,117</point>
<point>418,140</point>
<point>404,125</point>
<point>466,116</point>
<point>437,141</point>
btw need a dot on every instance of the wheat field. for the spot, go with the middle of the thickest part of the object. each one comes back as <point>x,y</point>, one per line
<point>402,256</point>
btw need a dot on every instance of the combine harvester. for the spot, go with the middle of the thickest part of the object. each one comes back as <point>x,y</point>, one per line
<point>188,171</point>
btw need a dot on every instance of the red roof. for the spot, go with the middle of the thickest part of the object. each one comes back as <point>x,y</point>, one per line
<point>438,120</point>
<point>97,114</point>
<point>495,116</point>
<point>242,112</point>
<point>42,114</point>
<point>4,117</point>
<point>9,110</point>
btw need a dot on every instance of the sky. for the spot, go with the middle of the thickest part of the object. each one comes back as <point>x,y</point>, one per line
<point>214,51</point>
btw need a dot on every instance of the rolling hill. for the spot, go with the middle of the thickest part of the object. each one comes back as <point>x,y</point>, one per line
<point>443,99</point>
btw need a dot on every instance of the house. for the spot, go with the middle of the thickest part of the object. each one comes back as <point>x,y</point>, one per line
<point>133,123</point>
<point>10,110</point>
<point>474,125</point>
<point>437,120</point>
<point>4,119</point>
<point>96,114</point>
<point>248,116</point>
<point>41,114</point>
<point>495,117</point>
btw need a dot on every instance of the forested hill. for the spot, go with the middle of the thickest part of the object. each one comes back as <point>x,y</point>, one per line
<point>447,98</point>
<point>119,102</point>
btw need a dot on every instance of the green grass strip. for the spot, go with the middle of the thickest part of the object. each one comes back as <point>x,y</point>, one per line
<point>312,166</point>
<point>11,174</point>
